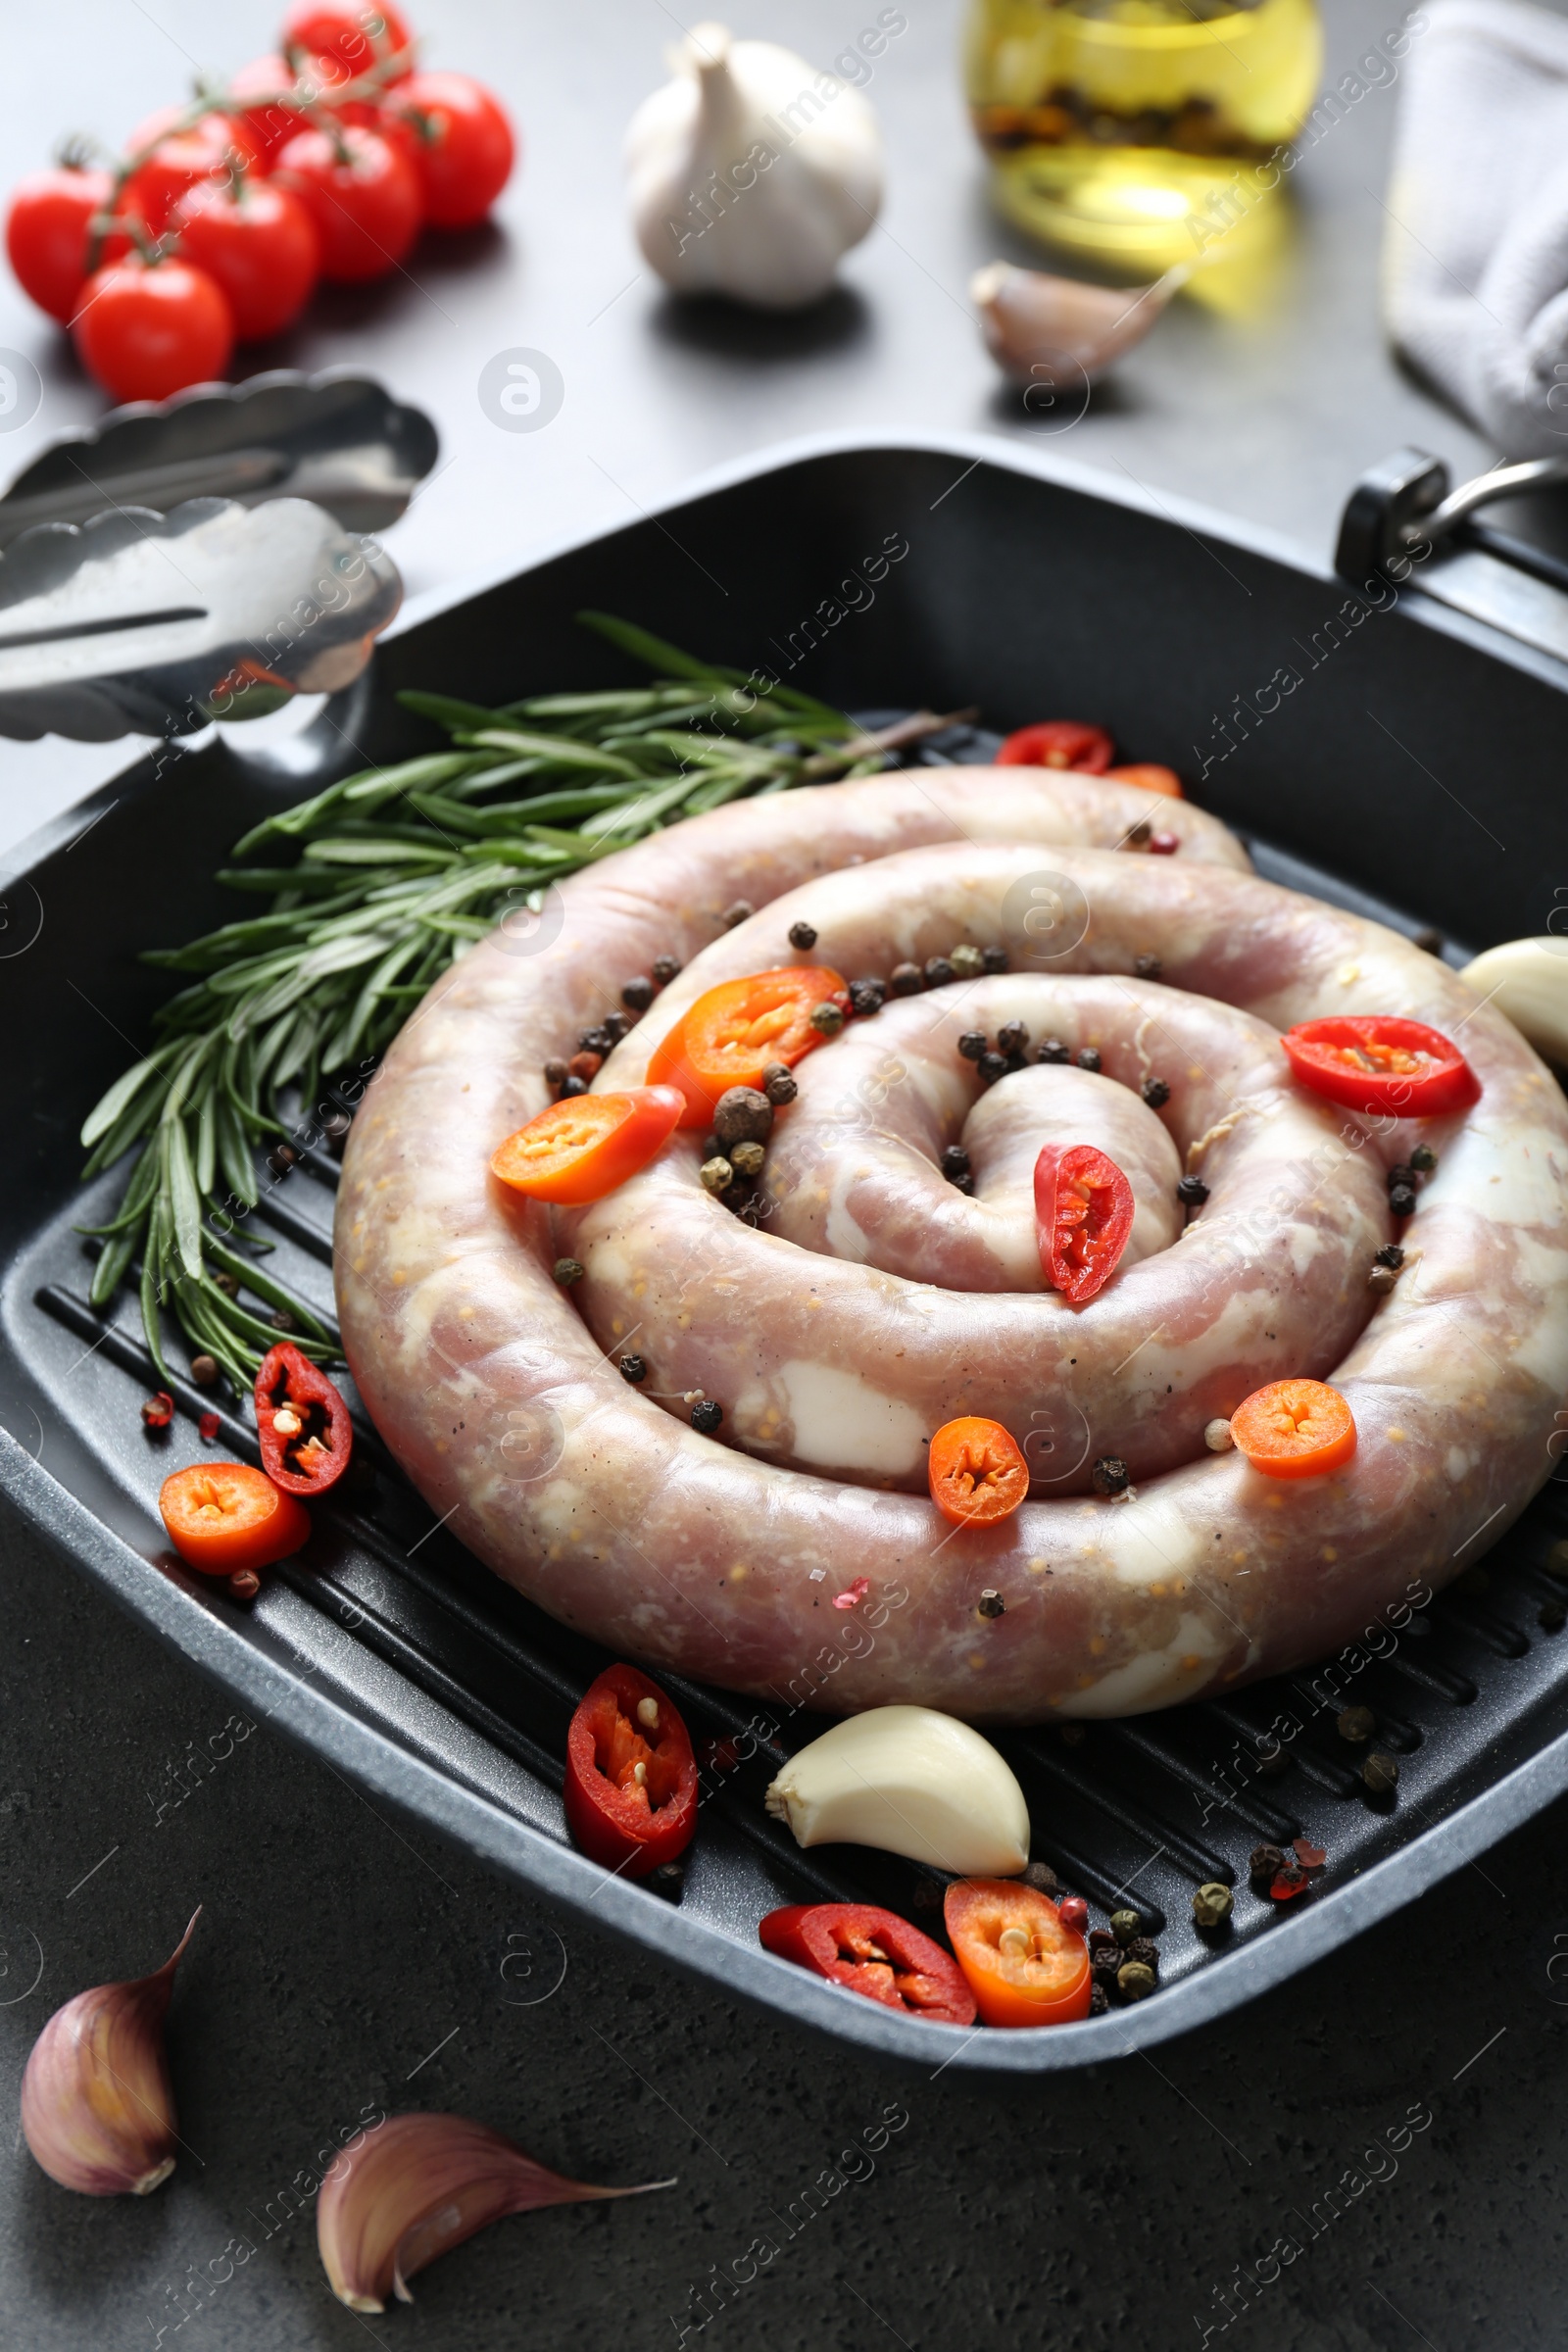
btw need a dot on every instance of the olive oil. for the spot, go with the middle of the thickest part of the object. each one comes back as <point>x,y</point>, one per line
<point>1142,131</point>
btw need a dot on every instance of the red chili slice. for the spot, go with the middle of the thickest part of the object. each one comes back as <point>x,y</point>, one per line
<point>631,1777</point>
<point>873,1953</point>
<point>1377,1062</point>
<point>302,1423</point>
<point>1059,743</point>
<point>1084,1212</point>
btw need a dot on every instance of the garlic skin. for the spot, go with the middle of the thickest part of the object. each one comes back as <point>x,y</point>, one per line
<point>751,174</point>
<point>97,2107</point>
<point>1528,980</point>
<point>1030,319</point>
<point>910,1782</point>
<point>418,2184</point>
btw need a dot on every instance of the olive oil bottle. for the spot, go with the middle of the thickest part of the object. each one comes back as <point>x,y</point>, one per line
<point>1142,131</point>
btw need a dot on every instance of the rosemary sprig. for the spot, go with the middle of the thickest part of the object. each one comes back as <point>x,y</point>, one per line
<point>377,885</point>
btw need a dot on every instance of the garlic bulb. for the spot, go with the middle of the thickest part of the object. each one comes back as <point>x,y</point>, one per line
<point>751,174</point>
<point>1528,980</point>
<point>418,2184</point>
<point>96,2104</point>
<point>912,1782</point>
<point>1032,320</point>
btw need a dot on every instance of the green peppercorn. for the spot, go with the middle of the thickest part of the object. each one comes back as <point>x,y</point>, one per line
<point>826,1018</point>
<point>747,1159</point>
<point>1212,1905</point>
<point>1355,1723</point>
<point>716,1174</point>
<point>1381,1773</point>
<point>1125,1925</point>
<point>967,962</point>
<point>1135,1982</point>
<point>1423,1160</point>
<point>566,1271</point>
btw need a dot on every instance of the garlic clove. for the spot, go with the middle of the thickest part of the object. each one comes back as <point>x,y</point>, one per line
<point>97,2107</point>
<point>1528,980</point>
<point>1030,319</point>
<point>420,2185</point>
<point>912,1782</point>
<point>751,174</point>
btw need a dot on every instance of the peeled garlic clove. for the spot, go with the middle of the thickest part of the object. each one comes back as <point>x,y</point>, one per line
<point>418,2184</point>
<point>1528,980</point>
<point>751,172</point>
<point>1031,319</point>
<point>96,2103</point>
<point>912,1782</point>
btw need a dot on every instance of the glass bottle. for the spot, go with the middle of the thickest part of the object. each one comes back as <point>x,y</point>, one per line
<point>1142,131</point>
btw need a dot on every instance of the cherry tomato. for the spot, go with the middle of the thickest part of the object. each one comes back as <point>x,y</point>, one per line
<point>1084,1210</point>
<point>268,127</point>
<point>356,33</point>
<point>144,330</point>
<point>1377,1062</point>
<point>631,1777</point>
<point>1059,743</point>
<point>1025,1967</point>
<point>303,1422</point>
<point>258,243</point>
<point>730,1036</point>
<point>1294,1429</point>
<point>583,1146</point>
<point>873,1953</point>
<point>223,1516</point>
<point>363,193</point>
<point>1149,777</point>
<point>214,148</point>
<point>47,231</point>
<point>976,1472</point>
<point>462,145</point>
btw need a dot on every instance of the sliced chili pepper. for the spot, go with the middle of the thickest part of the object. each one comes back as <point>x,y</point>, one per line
<point>873,1953</point>
<point>1059,743</point>
<point>1377,1062</point>
<point>1146,775</point>
<point>1294,1429</point>
<point>225,1517</point>
<point>976,1472</point>
<point>738,1031</point>
<point>631,1777</point>
<point>1084,1212</point>
<point>302,1423</point>
<point>583,1146</point>
<point>1024,1964</point>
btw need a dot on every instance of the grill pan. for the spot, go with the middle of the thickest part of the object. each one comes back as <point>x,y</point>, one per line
<point>385,1648</point>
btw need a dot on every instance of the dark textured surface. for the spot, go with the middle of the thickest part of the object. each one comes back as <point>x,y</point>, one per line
<point>339,1949</point>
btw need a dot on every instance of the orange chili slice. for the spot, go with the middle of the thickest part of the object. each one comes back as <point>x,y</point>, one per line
<point>580,1149</point>
<point>730,1036</point>
<point>1024,1967</point>
<point>223,1516</point>
<point>1147,775</point>
<point>977,1473</point>
<point>1294,1429</point>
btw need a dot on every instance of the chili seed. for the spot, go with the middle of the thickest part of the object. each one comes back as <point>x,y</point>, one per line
<point>1135,1981</point>
<point>1124,1926</point>
<point>938,971</point>
<point>1088,1057</point>
<point>566,1271</point>
<point>204,1371</point>
<point>1390,1255</point>
<point>1139,836</point>
<point>868,996</point>
<point>637,993</point>
<point>1051,1049</point>
<point>664,968</point>
<point>995,960</point>
<point>778,1083</point>
<point>740,911</point>
<point>905,979</point>
<point>972,1043</point>
<point>717,1175</point>
<point>554,1071</point>
<point>826,1019</point>
<point>1212,1905</point>
<point>244,1583</point>
<point>967,962</point>
<point>1147,967</point>
<point>1381,1773</point>
<point>1382,1280</point>
<point>572,1085</point>
<point>282,1320</point>
<point>1156,1093</point>
<point>1218,1437</point>
<point>159,1410</point>
<point>228,1284</point>
<point>1014,1943</point>
<point>991,1603</point>
<point>1264,1861</point>
<point>633,1368</point>
<point>1109,1475</point>
<point>1192,1191</point>
<point>1401,1200</point>
<point>1164,845</point>
<point>992,1066</point>
<point>802,935</point>
<point>747,1159</point>
<point>1423,1160</point>
<point>1355,1723</point>
<point>1146,1949</point>
<point>954,1161</point>
<point>1042,1877</point>
<point>707,1417</point>
<point>1098,2000</point>
<point>1554,1616</point>
<point>1011,1038</point>
<point>743,1114</point>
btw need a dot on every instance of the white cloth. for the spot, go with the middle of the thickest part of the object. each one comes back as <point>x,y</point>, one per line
<point>1475,248</point>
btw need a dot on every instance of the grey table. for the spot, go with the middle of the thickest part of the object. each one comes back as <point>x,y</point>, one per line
<point>345,1960</point>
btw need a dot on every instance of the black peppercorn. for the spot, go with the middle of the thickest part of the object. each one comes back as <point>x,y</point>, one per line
<point>633,1368</point>
<point>1423,1160</point>
<point>1088,1057</point>
<point>954,1161</point>
<point>740,911</point>
<point>868,996</point>
<point>1430,940</point>
<point>1192,1191</point>
<point>1146,1949</point>
<point>1265,1862</point>
<point>938,971</point>
<point>1157,1094</point>
<point>664,968</point>
<point>595,1041</point>
<point>707,1417</point>
<point>972,1043</point>
<point>990,1067</point>
<point>1400,1175</point>
<point>991,1603</point>
<point>573,1085</point>
<point>1105,1964</point>
<point>227,1285</point>
<point>1011,1038</point>
<point>616,1025</point>
<point>1109,1475</point>
<point>995,960</point>
<point>1381,1773</point>
<point>778,1083</point>
<point>1139,836</point>
<point>1099,1999</point>
<point>906,980</point>
<point>802,935</point>
<point>1401,1200</point>
<point>281,1159</point>
<point>1051,1049</point>
<point>1101,1939</point>
<point>566,1271</point>
<point>637,993</point>
<point>965,1185</point>
<point>1551,1620</point>
<point>1148,967</point>
<point>282,1320</point>
<point>555,1071</point>
<point>1390,1255</point>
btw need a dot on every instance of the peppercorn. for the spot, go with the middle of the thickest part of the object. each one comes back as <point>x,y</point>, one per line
<point>616,1025</point>
<point>1402,1174</point>
<point>1146,1949</point>
<point>868,996</point>
<point>1264,1862</point>
<point>1071,1734</point>
<point>938,971</point>
<point>1212,1905</point>
<point>1099,1999</point>
<point>927,1895</point>
<point>778,1083</point>
<point>747,1159</point>
<point>1401,1200</point>
<point>282,1158</point>
<point>1042,1877</point>
<point>967,962</point>
<point>204,1371</point>
<point>1192,1191</point>
<point>633,1368</point>
<point>335,1127</point>
<point>1382,1280</point>
<point>906,980</point>
<point>1287,1884</point>
<point>826,1018</point>
<point>566,1271</point>
<point>228,1284</point>
<point>554,1071</point>
<point>991,1603</point>
<point>1554,1616</point>
<point>1355,1723</point>
<point>955,1162</point>
<point>1555,1562</point>
<point>743,1116</point>
<point>741,910</point>
<point>802,935</point>
<point>595,1041</point>
<point>995,960</point>
<point>1124,1926</point>
<point>1135,1981</point>
<point>159,1410</point>
<point>282,1320</point>
<point>1105,1966</point>
<point>637,993</point>
<point>965,1185</point>
<point>1101,1939</point>
<point>1156,1093</point>
<point>1423,1160</point>
<point>992,1066</point>
<point>1164,845</point>
<point>718,1174</point>
<point>572,1085</point>
<point>1381,1773</point>
<point>1429,939</point>
<point>1109,1475</point>
<point>1390,1255</point>
<point>972,1043</point>
<point>244,1582</point>
<point>1148,967</point>
<point>707,1417</point>
<point>1138,836</point>
<point>1051,1049</point>
<point>1088,1057</point>
<point>586,1066</point>
<point>1011,1038</point>
<point>664,968</point>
